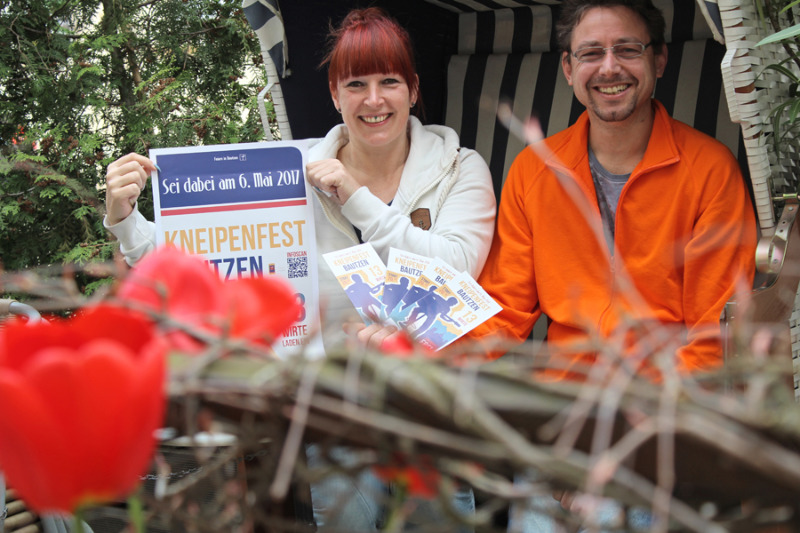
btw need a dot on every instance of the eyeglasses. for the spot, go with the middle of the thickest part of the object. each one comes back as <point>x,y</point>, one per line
<point>592,54</point>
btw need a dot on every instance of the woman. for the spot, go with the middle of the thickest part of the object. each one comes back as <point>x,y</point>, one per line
<point>381,177</point>
<point>392,181</point>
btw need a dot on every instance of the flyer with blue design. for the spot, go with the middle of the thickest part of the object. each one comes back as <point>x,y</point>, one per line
<point>436,308</point>
<point>361,273</point>
<point>435,274</point>
<point>402,270</point>
<point>449,312</point>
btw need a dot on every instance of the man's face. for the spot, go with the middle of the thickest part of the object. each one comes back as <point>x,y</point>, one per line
<point>612,88</point>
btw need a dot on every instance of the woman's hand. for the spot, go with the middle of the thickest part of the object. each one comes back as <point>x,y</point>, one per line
<point>125,179</point>
<point>372,336</point>
<point>330,176</point>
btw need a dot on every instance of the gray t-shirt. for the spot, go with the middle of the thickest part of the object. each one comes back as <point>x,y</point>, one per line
<point>608,187</point>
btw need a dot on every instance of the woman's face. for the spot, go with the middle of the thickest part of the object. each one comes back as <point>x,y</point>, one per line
<point>375,107</point>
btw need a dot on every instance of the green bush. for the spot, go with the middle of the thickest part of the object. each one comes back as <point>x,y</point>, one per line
<point>86,81</point>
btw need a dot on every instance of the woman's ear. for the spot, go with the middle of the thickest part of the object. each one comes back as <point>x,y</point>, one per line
<point>335,97</point>
<point>414,96</point>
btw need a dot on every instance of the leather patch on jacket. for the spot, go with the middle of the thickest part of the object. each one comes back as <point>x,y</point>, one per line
<point>421,218</point>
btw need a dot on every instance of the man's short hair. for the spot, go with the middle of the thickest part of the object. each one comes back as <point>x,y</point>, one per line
<point>572,12</point>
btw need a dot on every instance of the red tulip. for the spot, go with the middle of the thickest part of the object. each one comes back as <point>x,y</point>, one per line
<point>81,399</point>
<point>184,288</point>
<point>402,346</point>
<point>398,344</point>
<point>180,286</point>
<point>420,479</point>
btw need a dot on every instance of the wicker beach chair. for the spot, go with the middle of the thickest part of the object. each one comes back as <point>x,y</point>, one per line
<point>752,92</point>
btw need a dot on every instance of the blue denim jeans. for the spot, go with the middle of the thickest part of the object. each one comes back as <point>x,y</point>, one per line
<point>356,503</point>
<point>539,515</point>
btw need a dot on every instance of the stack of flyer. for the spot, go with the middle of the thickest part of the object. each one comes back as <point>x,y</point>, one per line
<point>425,296</point>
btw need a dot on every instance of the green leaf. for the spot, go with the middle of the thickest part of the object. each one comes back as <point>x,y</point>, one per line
<point>786,33</point>
<point>94,69</point>
<point>783,70</point>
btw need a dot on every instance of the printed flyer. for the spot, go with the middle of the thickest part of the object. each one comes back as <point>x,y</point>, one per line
<point>402,270</point>
<point>245,209</point>
<point>436,308</point>
<point>361,273</point>
<point>450,311</point>
<point>436,274</point>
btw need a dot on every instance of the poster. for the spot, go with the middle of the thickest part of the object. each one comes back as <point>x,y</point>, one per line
<point>245,208</point>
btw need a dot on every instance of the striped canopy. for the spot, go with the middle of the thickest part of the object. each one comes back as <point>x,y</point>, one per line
<point>265,18</point>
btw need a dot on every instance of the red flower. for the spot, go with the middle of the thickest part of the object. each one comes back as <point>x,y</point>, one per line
<point>398,344</point>
<point>80,399</point>
<point>420,479</point>
<point>402,346</point>
<point>184,288</point>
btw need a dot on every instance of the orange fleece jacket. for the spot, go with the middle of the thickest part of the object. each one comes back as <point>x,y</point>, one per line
<point>685,235</point>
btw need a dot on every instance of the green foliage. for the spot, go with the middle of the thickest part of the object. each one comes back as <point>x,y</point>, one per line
<point>83,82</point>
<point>779,16</point>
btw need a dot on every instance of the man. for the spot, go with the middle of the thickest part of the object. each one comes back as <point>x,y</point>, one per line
<point>678,223</point>
<point>629,228</point>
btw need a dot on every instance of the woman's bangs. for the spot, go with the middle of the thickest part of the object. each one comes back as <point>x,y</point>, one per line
<point>376,53</point>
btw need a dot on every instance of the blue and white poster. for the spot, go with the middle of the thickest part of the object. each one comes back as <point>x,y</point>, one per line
<point>245,208</point>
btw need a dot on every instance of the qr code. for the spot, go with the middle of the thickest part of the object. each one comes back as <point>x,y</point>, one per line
<point>298,267</point>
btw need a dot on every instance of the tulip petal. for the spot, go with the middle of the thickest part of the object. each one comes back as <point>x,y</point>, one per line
<point>30,447</point>
<point>262,308</point>
<point>34,337</point>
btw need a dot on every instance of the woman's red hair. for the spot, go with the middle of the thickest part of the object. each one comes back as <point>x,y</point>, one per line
<point>368,41</point>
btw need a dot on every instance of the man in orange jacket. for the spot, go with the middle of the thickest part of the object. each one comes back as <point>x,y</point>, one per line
<point>627,226</point>
<point>628,230</point>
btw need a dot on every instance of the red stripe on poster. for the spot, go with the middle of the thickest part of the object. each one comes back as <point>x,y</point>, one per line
<point>242,207</point>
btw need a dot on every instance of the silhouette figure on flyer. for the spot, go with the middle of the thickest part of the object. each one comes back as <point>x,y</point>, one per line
<point>432,307</point>
<point>361,294</point>
<point>393,293</point>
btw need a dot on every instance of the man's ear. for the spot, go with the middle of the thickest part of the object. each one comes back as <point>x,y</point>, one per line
<point>661,61</point>
<point>566,66</point>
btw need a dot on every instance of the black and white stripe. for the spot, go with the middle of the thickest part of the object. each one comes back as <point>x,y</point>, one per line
<point>265,18</point>
<point>531,29</point>
<point>469,6</point>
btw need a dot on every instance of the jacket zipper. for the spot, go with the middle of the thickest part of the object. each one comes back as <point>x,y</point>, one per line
<point>447,172</point>
<point>348,232</point>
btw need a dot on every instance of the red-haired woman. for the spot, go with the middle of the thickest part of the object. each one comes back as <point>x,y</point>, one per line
<point>384,178</point>
<point>381,177</point>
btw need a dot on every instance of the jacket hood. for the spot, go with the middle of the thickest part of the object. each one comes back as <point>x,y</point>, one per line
<point>433,147</point>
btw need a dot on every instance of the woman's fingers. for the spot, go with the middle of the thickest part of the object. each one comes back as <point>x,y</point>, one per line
<point>125,179</point>
<point>332,178</point>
